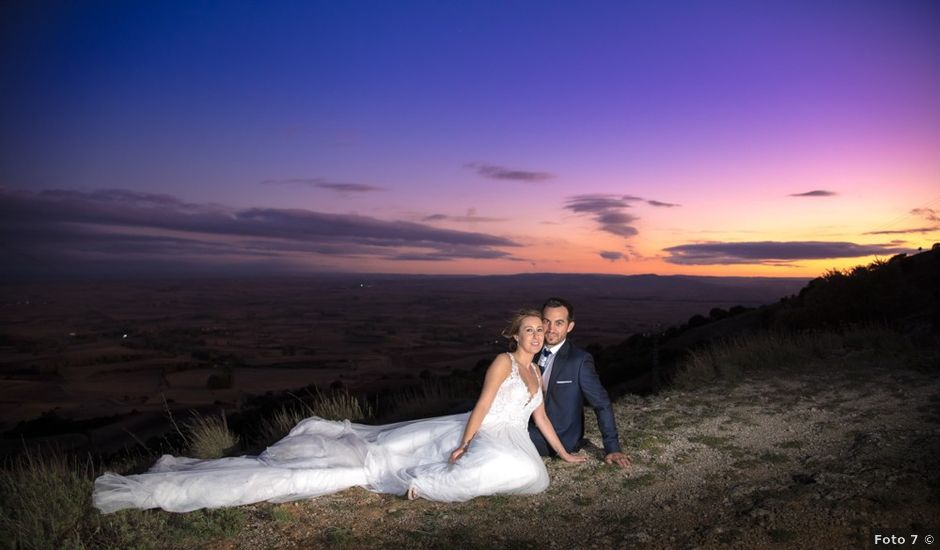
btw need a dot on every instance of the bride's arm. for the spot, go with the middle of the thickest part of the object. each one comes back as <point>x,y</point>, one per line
<point>548,432</point>
<point>497,372</point>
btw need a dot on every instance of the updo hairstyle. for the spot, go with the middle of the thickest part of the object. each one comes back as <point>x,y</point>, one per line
<point>514,325</point>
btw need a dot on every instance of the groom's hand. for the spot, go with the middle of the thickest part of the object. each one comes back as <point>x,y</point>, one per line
<point>617,458</point>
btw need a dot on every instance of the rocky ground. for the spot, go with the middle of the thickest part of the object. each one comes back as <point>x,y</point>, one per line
<point>812,459</point>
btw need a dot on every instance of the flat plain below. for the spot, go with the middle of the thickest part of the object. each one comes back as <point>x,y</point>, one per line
<point>92,350</point>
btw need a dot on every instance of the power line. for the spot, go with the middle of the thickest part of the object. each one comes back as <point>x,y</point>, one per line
<point>902,217</point>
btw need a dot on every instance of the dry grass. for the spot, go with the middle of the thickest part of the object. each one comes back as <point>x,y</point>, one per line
<point>728,360</point>
<point>434,397</point>
<point>339,405</point>
<point>280,423</point>
<point>331,406</point>
<point>209,436</point>
<point>44,499</point>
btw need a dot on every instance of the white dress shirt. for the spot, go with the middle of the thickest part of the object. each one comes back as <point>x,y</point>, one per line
<point>549,361</point>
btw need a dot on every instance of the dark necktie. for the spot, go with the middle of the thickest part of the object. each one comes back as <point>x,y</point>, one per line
<point>543,360</point>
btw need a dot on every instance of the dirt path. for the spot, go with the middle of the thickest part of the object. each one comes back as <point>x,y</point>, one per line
<point>802,460</point>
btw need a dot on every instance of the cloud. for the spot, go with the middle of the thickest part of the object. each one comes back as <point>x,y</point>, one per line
<point>115,228</point>
<point>470,217</point>
<point>453,253</point>
<point>929,214</point>
<point>339,187</point>
<point>772,252</point>
<point>614,218</point>
<point>607,210</point>
<point>815,193</point>
<point>595,203</point>
<point>620,230</point>
<point>612,256</point>
<point>503,173</point>
<point>349,187</point>
<point>904,231</point>
<point>114,196</point>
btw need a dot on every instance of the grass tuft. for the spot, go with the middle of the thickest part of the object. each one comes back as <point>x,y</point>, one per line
<point>209,436</point>
<point>281,515</point>
<point>338,536</point>
<point>45,500</point>
<point>339,405</point>
<point>279,424</point>
<point>632,483</point>
<point>336,405</point>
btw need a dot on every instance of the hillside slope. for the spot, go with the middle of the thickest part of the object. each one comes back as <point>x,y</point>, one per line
<point>811,458</point>
<point>902,293</point>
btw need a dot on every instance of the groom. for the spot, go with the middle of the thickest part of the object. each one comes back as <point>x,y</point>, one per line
<point>569,379</point>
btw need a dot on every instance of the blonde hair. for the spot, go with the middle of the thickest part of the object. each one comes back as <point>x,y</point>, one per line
<point>515,323</point>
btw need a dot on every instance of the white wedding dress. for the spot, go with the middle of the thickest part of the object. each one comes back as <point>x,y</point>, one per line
<point>322,456</point>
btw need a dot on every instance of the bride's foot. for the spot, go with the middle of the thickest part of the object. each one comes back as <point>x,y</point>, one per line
<point>412,493</point>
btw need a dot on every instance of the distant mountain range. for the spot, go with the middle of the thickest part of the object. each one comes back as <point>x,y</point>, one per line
<point>685,287</point>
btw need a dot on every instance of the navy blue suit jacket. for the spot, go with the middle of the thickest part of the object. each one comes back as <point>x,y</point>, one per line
<point>574,381</point>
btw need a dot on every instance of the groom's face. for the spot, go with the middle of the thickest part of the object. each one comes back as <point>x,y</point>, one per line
<point>556,323</point>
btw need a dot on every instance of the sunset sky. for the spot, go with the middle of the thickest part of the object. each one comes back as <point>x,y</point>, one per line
<point>777,138</point>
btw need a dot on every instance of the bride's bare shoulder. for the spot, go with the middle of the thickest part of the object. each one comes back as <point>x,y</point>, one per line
<point>501,365</point>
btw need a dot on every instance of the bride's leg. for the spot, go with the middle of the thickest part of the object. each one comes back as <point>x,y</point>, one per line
<point>412,493</point>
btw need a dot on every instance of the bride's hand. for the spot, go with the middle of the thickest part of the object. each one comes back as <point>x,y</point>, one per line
<point>456,455</point>
<point>574,459</point>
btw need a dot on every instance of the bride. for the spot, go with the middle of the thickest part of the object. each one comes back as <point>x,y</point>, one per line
<point>489,451</point>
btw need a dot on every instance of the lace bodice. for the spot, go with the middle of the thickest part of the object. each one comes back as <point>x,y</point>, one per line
<point>513,404</point>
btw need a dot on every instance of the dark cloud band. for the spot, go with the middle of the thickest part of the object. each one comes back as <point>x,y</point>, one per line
<point>815,193</point>
<point>470,217</point>
<point>607,210</point>
<point>773,252</point>
<point>114,227</point>
<point>339,187</point>
<point>503,173</point>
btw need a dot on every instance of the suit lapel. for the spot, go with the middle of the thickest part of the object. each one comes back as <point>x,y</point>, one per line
<point>561,359</point>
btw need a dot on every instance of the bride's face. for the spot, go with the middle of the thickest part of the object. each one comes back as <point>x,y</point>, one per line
<point>531,335</point>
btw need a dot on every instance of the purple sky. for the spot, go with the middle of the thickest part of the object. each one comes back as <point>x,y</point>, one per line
<point>728,137</point>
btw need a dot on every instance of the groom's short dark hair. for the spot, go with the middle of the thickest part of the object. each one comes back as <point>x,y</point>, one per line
<point>555,301</point>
